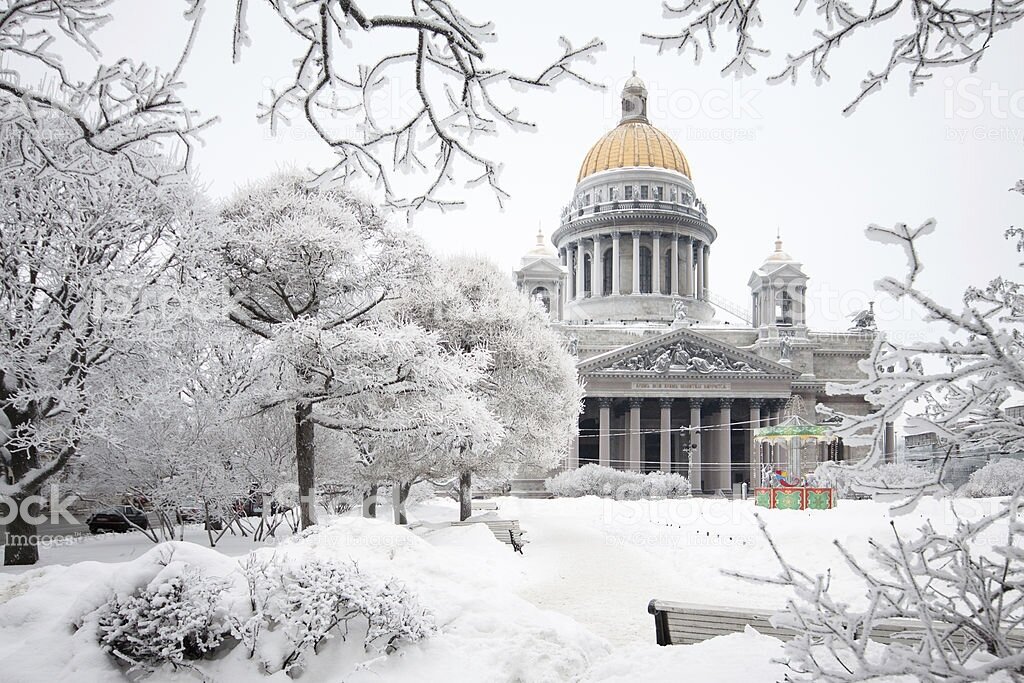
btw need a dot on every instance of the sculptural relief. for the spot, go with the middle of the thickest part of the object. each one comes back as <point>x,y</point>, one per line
<point>683,357</point>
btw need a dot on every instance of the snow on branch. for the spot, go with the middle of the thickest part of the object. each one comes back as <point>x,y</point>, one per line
<point>956,385</point>
<point>931,36</point>
<point>960,610</point>
<point>738,16</point>
<point>456,95</point>
<point>123,108</point>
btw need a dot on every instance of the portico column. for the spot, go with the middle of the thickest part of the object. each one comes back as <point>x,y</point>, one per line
<point>616,288</point>
<point>574,450</point>
<point>634,433</point>
<point>724,441</point>
<point>695,456</point>
<point>666,433</point>
<point>688,267</point>
<point>596,272</point>
<point>699,287</point>
<point>755,455</point>
<point>675,266</point>
<point>707,269</point>
<point>766,420</point>
<point>776,419</point>
<point>656,264</point>
<point>636,262</point>
<point>605,406</point>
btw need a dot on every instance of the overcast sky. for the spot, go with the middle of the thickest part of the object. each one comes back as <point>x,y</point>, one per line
<point>763,157</point>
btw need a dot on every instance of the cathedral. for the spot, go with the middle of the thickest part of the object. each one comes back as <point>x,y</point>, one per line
<point>626,278</point>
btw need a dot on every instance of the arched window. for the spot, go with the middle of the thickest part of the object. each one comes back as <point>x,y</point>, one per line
<point>606,272</point>
<point>542,297</point>
<point>783,308</point>
<point>587,272</point>
<point>645,270</point>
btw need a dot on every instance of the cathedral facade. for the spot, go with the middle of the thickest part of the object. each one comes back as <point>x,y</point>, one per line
<point>627,279</point>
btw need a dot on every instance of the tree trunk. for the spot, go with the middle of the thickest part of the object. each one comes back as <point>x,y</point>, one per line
<point>370,502</point>
<point>399,494</point>
<point>305,461</point>
<point>21,544</point>
<point>465,495</point>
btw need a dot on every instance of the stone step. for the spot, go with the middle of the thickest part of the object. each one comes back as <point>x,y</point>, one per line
<point>530,494</point>
<point>527,485</point>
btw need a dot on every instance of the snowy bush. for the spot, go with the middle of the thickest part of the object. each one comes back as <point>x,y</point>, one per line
<point>848,481</point>
<point>595,480</point>
<point>296,607</point>
<point>661,485</point>
<point>171,621</point>
<point>1000,478</point>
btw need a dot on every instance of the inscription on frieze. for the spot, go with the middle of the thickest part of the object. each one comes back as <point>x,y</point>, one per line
<point>683,386</point>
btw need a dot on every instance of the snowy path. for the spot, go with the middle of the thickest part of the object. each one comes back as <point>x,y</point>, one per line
<point>598,579</point>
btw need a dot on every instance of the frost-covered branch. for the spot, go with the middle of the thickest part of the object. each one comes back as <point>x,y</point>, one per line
<point>957,384</point>
<point>127,109</point>
<point>960,603</point>
<point>932,36</point>
<point>458,94</point>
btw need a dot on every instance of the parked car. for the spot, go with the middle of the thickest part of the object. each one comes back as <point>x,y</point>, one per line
<point>119,518</point>
<point>253,505</point>
<point>192,514</point>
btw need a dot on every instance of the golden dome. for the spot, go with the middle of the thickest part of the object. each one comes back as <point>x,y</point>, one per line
<point>634,143</point>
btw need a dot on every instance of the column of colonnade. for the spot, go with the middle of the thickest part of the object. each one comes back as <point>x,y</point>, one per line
<point>690,280</point>
<point>710,438</point>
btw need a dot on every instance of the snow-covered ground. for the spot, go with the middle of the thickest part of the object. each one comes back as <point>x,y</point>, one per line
<point>573,607</point>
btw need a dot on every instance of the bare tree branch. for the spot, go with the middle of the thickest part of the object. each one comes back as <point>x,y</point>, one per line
<point>436,135</point>
<point>934,35</point>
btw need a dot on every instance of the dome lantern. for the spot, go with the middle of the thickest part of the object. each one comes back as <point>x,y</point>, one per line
<point>634,100</point>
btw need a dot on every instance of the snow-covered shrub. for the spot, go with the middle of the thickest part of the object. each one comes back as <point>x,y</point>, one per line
<point>296,607</point>
<point>999,478</point>
<point>170,621</point>
<point>662,485</point>
<point>595,480</point>
<point>848,480</point>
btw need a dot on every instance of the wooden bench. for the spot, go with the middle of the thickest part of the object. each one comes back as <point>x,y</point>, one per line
<point>484,505</point>
<point>505,530</point>
<point>679,623</point>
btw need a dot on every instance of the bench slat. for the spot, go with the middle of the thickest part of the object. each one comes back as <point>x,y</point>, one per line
<point>682,623</point>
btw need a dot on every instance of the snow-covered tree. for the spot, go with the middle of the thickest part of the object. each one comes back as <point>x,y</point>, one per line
<point>954,386</point>
<point>531,382</point>
<point>461,93</point>
<point>962,608</point>
<point>177,431</point>
<point>90,263</point>
<point>117,112</point>
<point>312,272</point>
<point>925,37</point>
<point>964,593</point>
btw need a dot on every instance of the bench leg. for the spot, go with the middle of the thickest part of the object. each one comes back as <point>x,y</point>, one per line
<point>516,546</point>
<point>661,628</point>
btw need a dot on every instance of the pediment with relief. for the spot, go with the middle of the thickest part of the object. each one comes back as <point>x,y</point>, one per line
<point>687,353</point>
